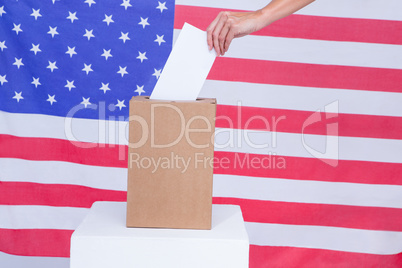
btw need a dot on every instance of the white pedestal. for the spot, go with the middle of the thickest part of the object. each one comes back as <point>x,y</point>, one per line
<point>103,240</point>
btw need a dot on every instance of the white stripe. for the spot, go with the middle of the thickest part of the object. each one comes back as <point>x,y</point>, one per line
<point>41,217</point>
<point>315,51</point>
<point>264,142</point>
<point>284,190</point>
<point>303,98</point>
<point>55,172</point>
<point>226,93</point>
<point>72,129</point>
<point>321,237</point>
<point>315,192</point>
<point>103,131</point>
<point>15,261</point>
<point>272,189</point>
<point>365,9</point>
<point>290,144</point>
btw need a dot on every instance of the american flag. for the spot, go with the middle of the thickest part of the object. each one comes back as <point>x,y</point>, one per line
<point>66,66</point>
<point>323,88</point>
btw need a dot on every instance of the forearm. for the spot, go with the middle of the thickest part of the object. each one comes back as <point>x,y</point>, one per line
<point>278,9</point>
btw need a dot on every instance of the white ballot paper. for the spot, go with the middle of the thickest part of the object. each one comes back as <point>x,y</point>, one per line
<point>186,68</point>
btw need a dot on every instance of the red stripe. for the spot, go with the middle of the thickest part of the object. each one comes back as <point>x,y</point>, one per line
<point>290,257</point>
<point>291,121</point>
<point>370,218</point>
<point>109,155</point>
<point>307,75</point>
<point>62,195</point>
<point>305,26</point>
<point>22,193</point>
<point>36,242</point>
<point>298,168</point>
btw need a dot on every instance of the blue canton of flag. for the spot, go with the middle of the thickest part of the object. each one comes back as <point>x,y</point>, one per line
<point>67,58</point>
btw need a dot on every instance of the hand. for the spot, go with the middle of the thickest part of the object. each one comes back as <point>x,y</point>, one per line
<point>228,25</point>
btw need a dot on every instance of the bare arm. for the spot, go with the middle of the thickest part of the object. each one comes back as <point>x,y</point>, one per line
<point>228,25</point>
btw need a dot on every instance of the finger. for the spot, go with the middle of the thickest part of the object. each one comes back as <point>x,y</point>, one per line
<point>209,40</point>
<point>216,44</point>
<point>223,36</point>
<point>217,31</point>
<point>228,40</point>
<point>210,30</point>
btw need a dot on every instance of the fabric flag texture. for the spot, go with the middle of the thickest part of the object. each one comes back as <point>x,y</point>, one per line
<point>309,124</point>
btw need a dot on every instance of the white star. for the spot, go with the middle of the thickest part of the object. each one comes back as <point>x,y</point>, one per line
<point>52,31</point>
<point>52,66</point>
<point>89,2</point>
<point>159,39</point>
<point>106,54</point>
<point>2,11</point>
<point>87,68</point>
<point>71,51</point>
<point>105,87</point>
<point>3,45</point>
<point>161,6</point>
<point>140,90</point>
<point>70,85</point>
<point>124,37</point>
<point>54,1</point>
<point>144,22</point>
<point>36,14</point>
<point>72,16</point>
<point>122,71</point>
<point>35,49</point>
<point>108,19</point>
<point>51,99</point>
<point>3,79</point>
<point>18,96</point>
<point>18,62</point>
<point>36,82</point>
<point>120,104</point>
<point>126,4</point>
<point>88,34</point>
<point>85,102</point>
<point>157,73</point>
<point>17,28</point>
<point>141,56</point>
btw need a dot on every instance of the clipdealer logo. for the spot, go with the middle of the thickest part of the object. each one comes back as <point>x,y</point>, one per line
<point>330,155</point>
<point>114,133</point>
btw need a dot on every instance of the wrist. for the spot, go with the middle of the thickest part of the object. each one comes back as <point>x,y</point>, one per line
<point>265,16</point>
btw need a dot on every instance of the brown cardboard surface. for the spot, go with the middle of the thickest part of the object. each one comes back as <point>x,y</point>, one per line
<point>170,163</point>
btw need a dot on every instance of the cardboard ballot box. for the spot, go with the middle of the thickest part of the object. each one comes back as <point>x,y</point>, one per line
<point>170,163</point>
